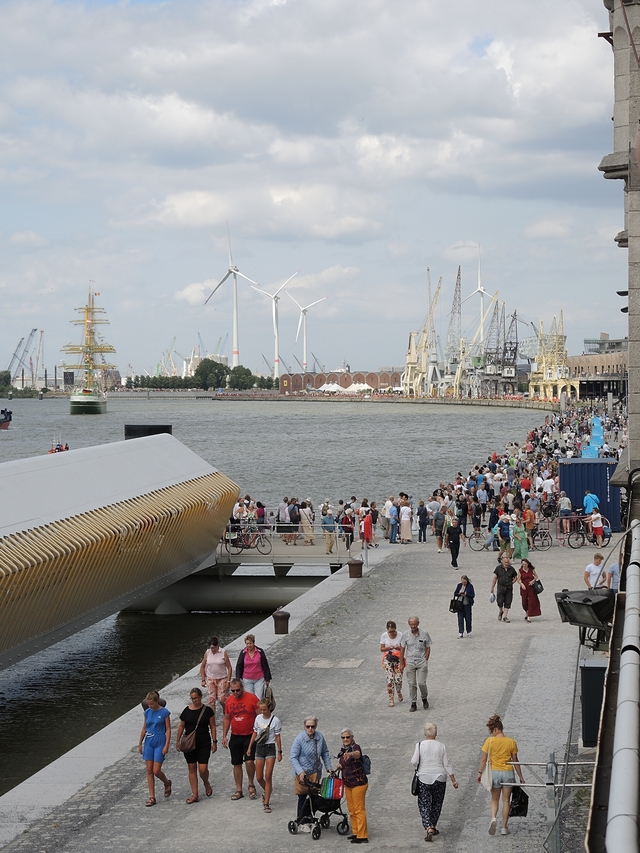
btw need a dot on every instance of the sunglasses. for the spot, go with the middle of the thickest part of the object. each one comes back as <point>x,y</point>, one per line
<point>237,690</point>
<point>309,727</point>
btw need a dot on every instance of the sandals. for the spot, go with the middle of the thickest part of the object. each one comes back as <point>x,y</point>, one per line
<point>237,796</point>
<point>151,802</point>
<point>208,790</point>
<point>167,788</point>
<point>253,794</point>
<point>267,808</point>
<point>191,799</point>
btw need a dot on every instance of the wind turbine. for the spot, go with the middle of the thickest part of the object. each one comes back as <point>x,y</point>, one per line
<point>275,298</point>
<point>235,272</point>
<point>303,322</point>
<point>480,289</point>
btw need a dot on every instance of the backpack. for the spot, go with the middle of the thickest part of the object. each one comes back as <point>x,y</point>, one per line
<point>366,764</point>
<point>294,515</point>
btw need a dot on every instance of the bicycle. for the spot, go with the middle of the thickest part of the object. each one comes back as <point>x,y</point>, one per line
<point>542,539</point>
<point>236,541</point>
<point>582,534</point>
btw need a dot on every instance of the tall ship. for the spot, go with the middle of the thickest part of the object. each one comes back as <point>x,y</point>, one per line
<point>89,397</point>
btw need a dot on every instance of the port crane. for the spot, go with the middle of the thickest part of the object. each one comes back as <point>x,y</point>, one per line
<point>21,356</point>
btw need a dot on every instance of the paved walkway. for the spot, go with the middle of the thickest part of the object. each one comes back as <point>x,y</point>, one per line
<point>523,671</point>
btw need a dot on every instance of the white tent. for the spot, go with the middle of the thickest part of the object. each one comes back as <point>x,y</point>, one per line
<point>331,388</point>
<point>358,388</point>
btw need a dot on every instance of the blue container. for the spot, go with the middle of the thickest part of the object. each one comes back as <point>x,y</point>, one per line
<point>578,475</point>
<point>590,452</point>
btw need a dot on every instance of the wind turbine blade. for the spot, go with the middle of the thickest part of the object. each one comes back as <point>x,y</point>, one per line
<point>229,239</point>
<point>263,292</point>
<point>468,297</point>
<point>285,284</point>
<point>246,278</point>
<point>221,282</point>
<point>314,303</point>
<point>295,300</point>
<point>299,324</point>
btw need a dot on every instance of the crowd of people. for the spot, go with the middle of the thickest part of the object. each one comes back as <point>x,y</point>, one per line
<point>507,493</point>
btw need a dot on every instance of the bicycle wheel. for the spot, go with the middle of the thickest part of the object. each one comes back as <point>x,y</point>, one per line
<point>542,540</point>
<point>476,541</point>
<point>605,539</point>
<point>576,539</point>
<point>263,544</point>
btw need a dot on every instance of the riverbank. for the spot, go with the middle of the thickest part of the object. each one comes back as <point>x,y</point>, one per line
<point>330,666</point>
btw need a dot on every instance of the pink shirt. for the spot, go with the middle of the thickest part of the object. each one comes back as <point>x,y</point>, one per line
<point>215,666</point>
<point>252,668</point>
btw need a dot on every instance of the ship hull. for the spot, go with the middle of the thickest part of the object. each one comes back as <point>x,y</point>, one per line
<point>88,404</point>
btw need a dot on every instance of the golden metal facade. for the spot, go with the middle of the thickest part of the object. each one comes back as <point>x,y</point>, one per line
<point>52,575</point>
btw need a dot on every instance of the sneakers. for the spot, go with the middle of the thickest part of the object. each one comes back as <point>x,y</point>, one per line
<point>504,831</point>
<point>506,620</point>
<point>439,550</point>
<point>500,616</point>
<point>492,826</point>
<point>469,634</point>
<point>459,636</point>
<point>425,704</point>
<point>306,827</point>
<point>413,707</point>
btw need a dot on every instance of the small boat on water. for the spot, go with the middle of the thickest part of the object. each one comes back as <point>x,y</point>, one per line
<point>57,446</point>
<point>5,418</point>
<point>90,397</point>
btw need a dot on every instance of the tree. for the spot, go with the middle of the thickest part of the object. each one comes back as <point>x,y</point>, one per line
<point>264,382</point>
<point>241,378</point>
<point>209,374</point>
<point>5,379</point>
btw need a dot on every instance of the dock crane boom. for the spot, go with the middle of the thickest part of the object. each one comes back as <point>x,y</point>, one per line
<point>14,357</point>
<point>23,354</point>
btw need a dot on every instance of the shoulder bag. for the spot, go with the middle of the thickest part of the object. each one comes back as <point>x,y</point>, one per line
<point>537,587</point>
<point>455,605</point>
<point>269,698</point>
<point>188,742</point>
<point>415,782</point>
<point>486,779</point>
<point>519,802</point>
<point>264,734</point>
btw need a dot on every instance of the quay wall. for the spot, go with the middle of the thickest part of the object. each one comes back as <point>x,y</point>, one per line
<point>543,405</point>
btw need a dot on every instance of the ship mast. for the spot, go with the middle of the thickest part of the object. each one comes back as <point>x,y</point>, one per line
<point>91,345</point>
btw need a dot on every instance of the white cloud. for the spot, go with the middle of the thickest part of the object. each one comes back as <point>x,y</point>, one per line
<point>549,228</point>
<point>196,293</point>
<point>398,250</point>
<point>27,238</point>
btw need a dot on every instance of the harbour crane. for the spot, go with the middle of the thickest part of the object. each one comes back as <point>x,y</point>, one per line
<point>39,355</point>
<point>23,355</point>
<point>318,365</point>
<point>14,357</point>
<point>422,373</point>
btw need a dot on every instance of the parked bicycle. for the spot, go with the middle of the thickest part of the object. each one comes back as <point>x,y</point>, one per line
<point>237,540</point>
<point>542,540</point>
<point>582,533</point>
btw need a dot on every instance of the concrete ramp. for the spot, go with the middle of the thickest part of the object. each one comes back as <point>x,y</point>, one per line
<point>87,532</point>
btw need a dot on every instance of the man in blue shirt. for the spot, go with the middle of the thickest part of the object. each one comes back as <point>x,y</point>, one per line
<point>392,514</point>
<point>590,502</point>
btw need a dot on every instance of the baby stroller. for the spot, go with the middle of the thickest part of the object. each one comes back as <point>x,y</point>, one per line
<point>323,804</point>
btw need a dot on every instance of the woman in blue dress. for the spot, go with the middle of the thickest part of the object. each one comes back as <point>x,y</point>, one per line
<point>154,744</point>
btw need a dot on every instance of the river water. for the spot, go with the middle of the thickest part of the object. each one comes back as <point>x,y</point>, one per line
<point>275,448</point>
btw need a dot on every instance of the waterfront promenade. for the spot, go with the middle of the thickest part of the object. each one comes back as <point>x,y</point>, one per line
<point>330,666</point>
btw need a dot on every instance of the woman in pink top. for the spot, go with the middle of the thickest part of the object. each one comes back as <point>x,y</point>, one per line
<point>215,673</point>
<point>253,667</point>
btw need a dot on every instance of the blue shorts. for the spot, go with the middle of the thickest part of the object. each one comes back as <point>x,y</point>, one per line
<point>152,750</point>
<point>503,778</point>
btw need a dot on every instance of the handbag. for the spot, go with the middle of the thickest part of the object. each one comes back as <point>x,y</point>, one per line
<point>299,787</point>
<point>415,782</point>
<point>263,737</point>
<point>269,698</point>
<point>537,587</point>
<point>188,742</point>
<point>519,802</point>
<point>486,778</point>
<point>455,605</point>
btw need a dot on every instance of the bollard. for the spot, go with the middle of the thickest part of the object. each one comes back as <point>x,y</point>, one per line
<point>355,568</point>
<point>281,622</point>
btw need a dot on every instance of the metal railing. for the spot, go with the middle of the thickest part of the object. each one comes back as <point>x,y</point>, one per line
<point>622,816</point>
<point>289,542</point>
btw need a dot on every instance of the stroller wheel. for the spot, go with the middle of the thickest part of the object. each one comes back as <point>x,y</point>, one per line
<point>292,826</point>
<point>316,832</point>
<point>325,821</point>
<point>343,827</point>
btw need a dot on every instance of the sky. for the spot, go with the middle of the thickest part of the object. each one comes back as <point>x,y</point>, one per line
<point>353,142</point>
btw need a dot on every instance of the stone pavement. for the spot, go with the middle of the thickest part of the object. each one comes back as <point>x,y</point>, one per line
<point>523,671</point>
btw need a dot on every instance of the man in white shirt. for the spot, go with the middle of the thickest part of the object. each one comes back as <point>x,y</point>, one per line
<point>594,577</point>
<point>384,517</point>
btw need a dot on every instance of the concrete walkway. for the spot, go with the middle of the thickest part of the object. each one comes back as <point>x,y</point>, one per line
<point>329,666</point>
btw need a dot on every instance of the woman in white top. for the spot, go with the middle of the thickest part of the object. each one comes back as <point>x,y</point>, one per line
<point>268,728</point>
<point>392,660</point>
<point>406,536</point>
<point>215,674</point>
<point>433,766</point>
